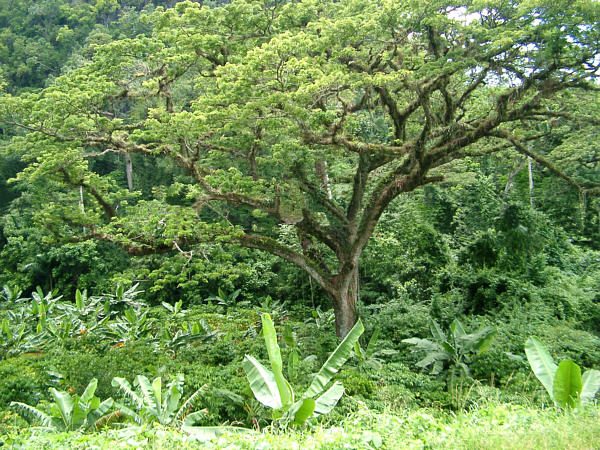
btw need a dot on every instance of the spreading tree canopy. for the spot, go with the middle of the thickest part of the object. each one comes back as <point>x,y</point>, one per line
<point>309,117</point>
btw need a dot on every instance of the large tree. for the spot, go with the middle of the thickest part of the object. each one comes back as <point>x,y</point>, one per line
<point>313,116</point>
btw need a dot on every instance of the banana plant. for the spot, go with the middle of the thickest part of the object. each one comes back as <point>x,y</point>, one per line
<point>11,293</point>
<point>90,311</point>
<point>293,343</point>
<point>123,299</point>
<point>369,357</point>
<point>272,389</point>
<point>454,349</point>
<point>175,309</point>
<point>192,333</point>
<point>322,319</point>
<point>224,299</point>
<point>275,308</point>
<point>563,382</point>
<point>151,404</point>
<point>71,413</point>
<point>132,326</point>
<point>16,338</point>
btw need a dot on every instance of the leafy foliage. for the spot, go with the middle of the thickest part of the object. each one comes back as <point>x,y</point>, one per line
<point>71,413</point>
<point>454,349</point>
<point>564,383</point>
<point>273,390</point>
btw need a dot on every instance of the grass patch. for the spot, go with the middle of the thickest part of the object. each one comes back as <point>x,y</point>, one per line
<point>495,426</point>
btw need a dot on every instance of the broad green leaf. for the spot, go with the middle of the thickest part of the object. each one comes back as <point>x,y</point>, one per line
<point>423,344</point>
<point>77,417</point>
<point>29,412</point>
<point>327,401</point>
<point>64,406</point>
<point>89,391</point>
<point>335,361</point>
<point>124,386</point>
<point>541,363</point>
<point>590,385</point>
<point>432,357</point>
<point>270,336</point>
<point>157,398</point>
<point>288,336</point>
<point>293,362</point>
<point>147,390</point>
<point>436,331</point>
<point>478,341</point>
<point>174,393</point>
<point>302,410</point>
<point>567,384</point>
<point>457,328</point>
<point>449,348</point>
<point>262,382</point>
<point>78,299</point>
<point>371,345</point>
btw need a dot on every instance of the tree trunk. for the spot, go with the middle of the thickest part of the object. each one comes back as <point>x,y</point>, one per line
<point>321,169</point>
<point>344,303</point>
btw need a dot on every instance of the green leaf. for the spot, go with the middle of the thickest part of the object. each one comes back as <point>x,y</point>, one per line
<point>270,336</point>
<point>89,391</point>
<point>541,363</point>
<point>262,382</point>
<point>457,328</point>
<point>436,331</point>
<point>29,412</point>
<point>327,401</point>
<point>371,345</point>
<point>77,417</point>
<point>288,336</point>
<point>335,361</point>
<point>433,357</point>
<point>478,341</point>
<point>64,406</point>
<point>567,384</point>
<point>78,299</point>
<point>124,386</point>
<point>293,362</point>
<point>174,393</point>
<point>423,344</point>
<point>302,410</point>
<point>590,385</point>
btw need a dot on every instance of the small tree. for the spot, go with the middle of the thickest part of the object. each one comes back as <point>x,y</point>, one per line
<point>311,116</point>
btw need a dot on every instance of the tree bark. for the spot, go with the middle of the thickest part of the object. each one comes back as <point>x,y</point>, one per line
<point>345,299</point>
<point>321,169</point>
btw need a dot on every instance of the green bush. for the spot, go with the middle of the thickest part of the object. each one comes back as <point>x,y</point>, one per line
<point>25,378</point>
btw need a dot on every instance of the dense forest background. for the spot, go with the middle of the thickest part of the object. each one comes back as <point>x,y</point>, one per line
<point>491,230</point>
<point>501,241</point>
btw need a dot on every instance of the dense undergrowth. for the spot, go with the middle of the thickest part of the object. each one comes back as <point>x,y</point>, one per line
<point>489,426</point>
<point>388,401</point>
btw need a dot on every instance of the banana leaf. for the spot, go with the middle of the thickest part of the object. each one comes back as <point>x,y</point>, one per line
<point>590,385</point>
<point>335,361</point>
<point>541,363</point>
<point>567,384</point>
<point>262,382</point>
